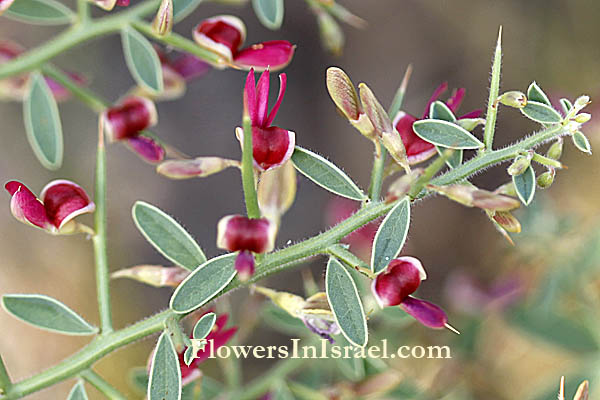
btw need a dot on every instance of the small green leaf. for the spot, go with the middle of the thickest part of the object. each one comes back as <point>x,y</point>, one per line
<point>78,392</point>
<point>165,373</point>
<point>455,159</point>
<point>439,110</point>
<point>142,60</point>
<point>188,356</point>
<point>446,134</point>
<point>535,93</point>
<point>41,12</point>
<point>492,110</point>
<point>326,174</point>
<point>203,284</point>
<point>183,8</point>
<point>345,303</point>
<point>46,313</point>
<point>42,123</point>
<point>391,236</point>
<point>204,325</point>
<point>167,236</point>
<point>540,112</point>
<point>582,142</point>
<point>566,105</point>
<point>269,12</point>
<point>525,185</point>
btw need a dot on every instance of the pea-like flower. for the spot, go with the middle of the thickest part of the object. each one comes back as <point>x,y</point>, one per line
<point>394,287</point>
<point>225,35</point>
<point>417,149</point>
<point>127,120</point>
<point>61,201</point>
<point>246,236</point>
<point>271,146</point>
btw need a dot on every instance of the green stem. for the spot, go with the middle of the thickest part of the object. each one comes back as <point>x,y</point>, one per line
<point>547,161</point>
<point>100,256</point>
<point>5,382</point>
<point>103,386</point>
<point>248,172</point>
<point>262,385</point>
<point>350,259</point>
<point>85,95</point>
<point>492,109</point>
<point>83,11</point>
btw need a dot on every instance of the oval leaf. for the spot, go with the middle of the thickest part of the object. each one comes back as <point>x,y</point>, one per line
<point>142,60</point>
<point>446,134</point>
<point>345,303</point>
<point>46,313</point>
<point>325,174</point>
<point>439,110</point>
<point>41,12</point>
<point>165,373</point>
<point>204,326</point>
<point>203,284</point>
<point>535,93</point>
<point>391,236</point>
<point>582,142</point>
<point>540,112</point>
<point>269,12</point>
<point>525,185</point>
<point>42,123</point>
<point>78,392</point>
<point>566,105</point>
<point>183,8</point>
<point>167,236</point>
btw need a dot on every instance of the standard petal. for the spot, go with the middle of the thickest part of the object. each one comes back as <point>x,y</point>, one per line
<point>275,55</point>
<point>244,265</point>
<point>26,207</point>
<point>238,233</point>
<point>417,149</point>
<point>147,148</point>
<point>401,278</point>
<point>64,200</point>
<point>436,95</point>
<point>250,98</point>
<point>456,99</point>
<point>262,99</point>
<point>425,312</point>
<point>223,35</point>
<point>129,118</point>
<point>271,147</point>
<point>282,87</point>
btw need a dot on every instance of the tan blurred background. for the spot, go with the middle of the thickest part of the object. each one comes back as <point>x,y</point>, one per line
<point>554,42</point>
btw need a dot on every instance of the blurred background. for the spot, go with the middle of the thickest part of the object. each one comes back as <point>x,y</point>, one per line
<point>515,347</point>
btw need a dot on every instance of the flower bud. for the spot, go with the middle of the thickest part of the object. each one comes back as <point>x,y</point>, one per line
<point>507,189</point>
<point>581,102</point>
<point>471,196</point>
<point>426,313</point>
<point>223,35</point>
<point>507,221</point>
<point>332,36</point>
<point>154,275</point>
<point>238,233</point>
<point>376,113</point>
<point>393,143</point>
<point>519,166</point>
<point>244,265</point>
<point>197,168</point>
<point>342,93</point>
<point>401,186</point>
<point>129,118</point>
<point>277,190</point>
<point>163,21</point>
<point>364,126</point>
<point>514,98</point>
<point>583,118</point>
<point>401,278</point>
<point>555,151</point>
<point>546,179</point>
<point>470,123</point>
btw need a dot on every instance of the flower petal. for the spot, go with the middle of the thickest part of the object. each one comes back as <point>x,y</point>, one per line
<point>244,265</point>
<point>154,275</point>
<point>425,312</point>
<point>238,233</point>
<point>401,278</point>
<point>262,99</point>
<point>456,99</point>
<point>147,148</point>
<point>190,67</point>
<point>275,55</point>
<point>60,92</point>
<point>129,118</point>
<point>223,35</point>
<point>472,114</point>
<point>271,147</point>
<point>250,97</point>
<point>64,200</point>
<point>417,149</point>
<point>196,168</point>
<point>26,207</point>
<point>436,94</point>
<point>282,87</point>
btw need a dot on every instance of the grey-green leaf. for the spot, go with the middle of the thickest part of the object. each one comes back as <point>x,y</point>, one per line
<point>345,303</point>
<point>165,373</point>
<point>390,236</point>
<point>41,12</point>
<point>540,112</point>
<point>42,123</point>
<point>203,284</point>
<point>204,325</point>
<point>439,110</point>
<point>78,392</point>
<point>566,105</point>
<point>167,236</point>
<point>46,313</point>
<point>269,12</point>
<point>183,8</point>
<point>326,174</point>
<point>525,185</point>
<point>535,93</point>
<point>581,142</point>
<point>142,60</point>
<point>446,134</point>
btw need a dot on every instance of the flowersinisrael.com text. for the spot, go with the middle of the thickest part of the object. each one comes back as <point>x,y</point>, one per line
<point>323,349</point>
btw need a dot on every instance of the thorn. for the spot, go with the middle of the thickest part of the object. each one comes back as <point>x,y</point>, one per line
<point>561,389</point>
<point>451,328</point>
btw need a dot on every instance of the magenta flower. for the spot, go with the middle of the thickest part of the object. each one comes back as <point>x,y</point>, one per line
<point>4,4</point>
<point>246,236</point>
<point>271,146</point>
<point>126,122</point>
<point>417,149</point>
<point>225,35</point>
<point>394,286</point>
<point>61,201</point>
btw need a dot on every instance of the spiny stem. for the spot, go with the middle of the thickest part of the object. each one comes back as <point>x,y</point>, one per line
<point>248,172</point>
<point>5,382</point>
<point>492,109</point>
<point>100,256</point>
<point>102,385</point>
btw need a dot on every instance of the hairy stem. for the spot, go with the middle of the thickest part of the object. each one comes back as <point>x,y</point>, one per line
<point>103,386</point>
<point>248,172</point>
